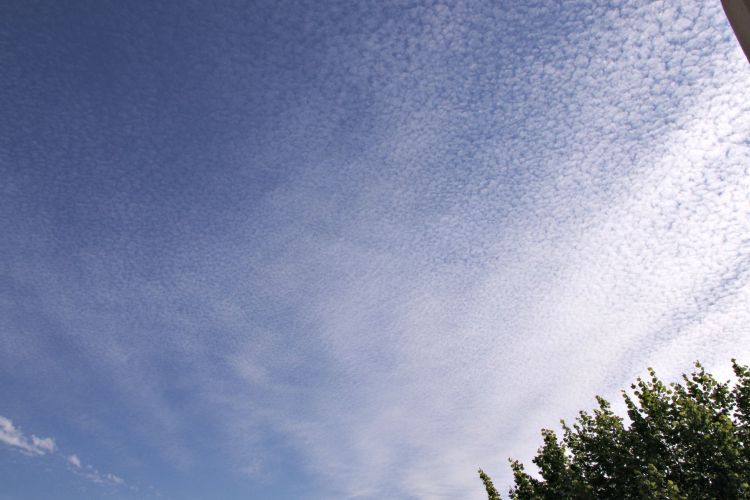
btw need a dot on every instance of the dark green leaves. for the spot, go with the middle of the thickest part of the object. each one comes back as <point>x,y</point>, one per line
<point>687,440</point>
<point>492,493</point>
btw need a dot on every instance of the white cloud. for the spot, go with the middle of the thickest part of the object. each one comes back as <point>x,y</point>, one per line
<point>91,473</point>
<point>97,477</point>
<point>74,461</point>
<point>45,445</point>
<point>32,445</point>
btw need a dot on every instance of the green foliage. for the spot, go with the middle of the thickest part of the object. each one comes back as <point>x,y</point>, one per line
<point>492,493</point>
<point>688,440</point>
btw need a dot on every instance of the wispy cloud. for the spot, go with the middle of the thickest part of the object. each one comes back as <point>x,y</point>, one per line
<point>32,445</point>
<point>36,446</point>
<point>74,461</point>
<point>91,473</point>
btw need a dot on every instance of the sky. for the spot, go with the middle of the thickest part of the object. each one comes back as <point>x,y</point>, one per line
<point>301,249</point>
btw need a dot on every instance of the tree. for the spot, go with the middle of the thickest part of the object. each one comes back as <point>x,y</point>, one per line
<point>492,493</point>
<point>688,440</point>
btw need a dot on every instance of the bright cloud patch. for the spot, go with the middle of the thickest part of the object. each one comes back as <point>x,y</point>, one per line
<point>74,461</point>
<point>32,445</point>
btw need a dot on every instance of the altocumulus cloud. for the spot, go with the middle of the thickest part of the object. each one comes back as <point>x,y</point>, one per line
<point>472,217</point>
<point>503,273</point>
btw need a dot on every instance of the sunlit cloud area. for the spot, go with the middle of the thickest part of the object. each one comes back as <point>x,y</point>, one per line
<point>357,249</point>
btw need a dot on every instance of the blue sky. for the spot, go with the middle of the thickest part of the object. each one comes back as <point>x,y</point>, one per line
<point>353,249</point>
